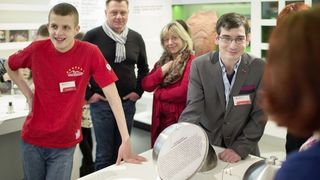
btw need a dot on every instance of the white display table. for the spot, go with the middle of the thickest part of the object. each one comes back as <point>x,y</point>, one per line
<point>12,122</point>
<point>148,170</point>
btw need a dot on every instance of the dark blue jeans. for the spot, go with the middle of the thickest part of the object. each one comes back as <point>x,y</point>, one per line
<point>106,131</point>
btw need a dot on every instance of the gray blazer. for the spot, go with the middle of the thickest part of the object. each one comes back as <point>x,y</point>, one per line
<point>241,126</point>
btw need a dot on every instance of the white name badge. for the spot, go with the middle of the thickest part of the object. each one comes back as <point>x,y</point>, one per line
<point>241,100</point>
<point>67,86</point>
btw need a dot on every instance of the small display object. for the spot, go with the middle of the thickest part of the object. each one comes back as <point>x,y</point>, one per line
<point>2,36</point>
<point>18,35</point>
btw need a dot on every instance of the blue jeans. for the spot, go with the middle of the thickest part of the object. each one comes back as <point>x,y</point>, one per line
<point>41,163</point>
<point>106,131</point>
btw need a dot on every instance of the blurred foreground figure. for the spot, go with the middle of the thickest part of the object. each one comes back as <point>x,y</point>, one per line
<point>293,143</point>
<point>291,87</point>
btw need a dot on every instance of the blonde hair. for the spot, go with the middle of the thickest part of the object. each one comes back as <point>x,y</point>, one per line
<point>176,29</point>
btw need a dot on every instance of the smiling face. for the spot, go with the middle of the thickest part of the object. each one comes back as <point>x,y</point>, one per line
<point>173,44</point>
<point>62,30</point>
<point>117,15</point>
<point>231,51</point>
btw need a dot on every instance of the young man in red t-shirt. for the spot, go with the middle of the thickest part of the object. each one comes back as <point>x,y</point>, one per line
<point>61,69</point>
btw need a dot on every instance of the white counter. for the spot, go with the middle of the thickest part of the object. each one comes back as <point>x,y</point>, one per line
<point>12,122</point>
<point>148,170</point>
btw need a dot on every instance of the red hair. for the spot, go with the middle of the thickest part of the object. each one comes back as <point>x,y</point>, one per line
<point>291,83</point>
<point>290,8</point>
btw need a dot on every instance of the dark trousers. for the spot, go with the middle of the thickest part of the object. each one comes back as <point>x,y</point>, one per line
<point>106,131</point>
<point>86,146</point>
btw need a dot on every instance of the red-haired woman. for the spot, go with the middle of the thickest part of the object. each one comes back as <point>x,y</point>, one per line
<point>291,88</point>
<point>293,143</point>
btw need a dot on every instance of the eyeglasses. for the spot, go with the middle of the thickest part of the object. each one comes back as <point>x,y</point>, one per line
<point>228,40</point>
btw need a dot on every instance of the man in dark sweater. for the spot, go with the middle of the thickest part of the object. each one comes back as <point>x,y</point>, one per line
<point>124,49</point>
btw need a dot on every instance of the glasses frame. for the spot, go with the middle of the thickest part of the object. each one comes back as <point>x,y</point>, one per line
<point>228,40</point>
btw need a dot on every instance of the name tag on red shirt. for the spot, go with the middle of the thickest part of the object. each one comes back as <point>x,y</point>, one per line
<point>67,86</point>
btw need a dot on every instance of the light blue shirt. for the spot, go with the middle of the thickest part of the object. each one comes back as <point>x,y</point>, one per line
<point>227,85</point>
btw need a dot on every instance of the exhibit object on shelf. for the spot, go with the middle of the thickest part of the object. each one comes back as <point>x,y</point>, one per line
<point>11,36</point>
<point>18,35</point>
<point>2,36</point>
<point>202,27</point>
<point>10,108</point>
<point>182,150</point>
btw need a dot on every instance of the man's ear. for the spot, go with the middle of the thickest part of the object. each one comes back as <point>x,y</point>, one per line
<point>216,39</point>
<point>248,39</point>
<point>78,28</point>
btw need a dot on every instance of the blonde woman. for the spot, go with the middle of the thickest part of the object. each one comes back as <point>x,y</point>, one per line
<point>169,78</point>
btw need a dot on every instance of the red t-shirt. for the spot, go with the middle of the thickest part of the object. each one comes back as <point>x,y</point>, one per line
<point>60,81</point>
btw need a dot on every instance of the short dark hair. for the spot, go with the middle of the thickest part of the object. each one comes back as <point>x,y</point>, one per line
<point>108,1</point>
<point>65,9</point>
<point>232,20</point>
<point>43,30</point>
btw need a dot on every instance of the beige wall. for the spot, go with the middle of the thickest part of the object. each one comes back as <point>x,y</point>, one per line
<point>20,15</point>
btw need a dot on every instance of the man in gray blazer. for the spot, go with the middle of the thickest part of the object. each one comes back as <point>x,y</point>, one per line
<point>222,92</point>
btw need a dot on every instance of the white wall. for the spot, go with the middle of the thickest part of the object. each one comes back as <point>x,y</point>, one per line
<point>148,18</point>
<point>145,17</point>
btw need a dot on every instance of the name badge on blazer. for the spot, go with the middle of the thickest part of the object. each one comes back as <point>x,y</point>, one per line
<point>241,100</point>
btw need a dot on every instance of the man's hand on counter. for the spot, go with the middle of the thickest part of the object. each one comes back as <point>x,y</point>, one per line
<point>125,153</point>
<point>229,155</point>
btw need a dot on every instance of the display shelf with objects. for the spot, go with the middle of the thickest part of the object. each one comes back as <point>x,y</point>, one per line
<point>19,21</point>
